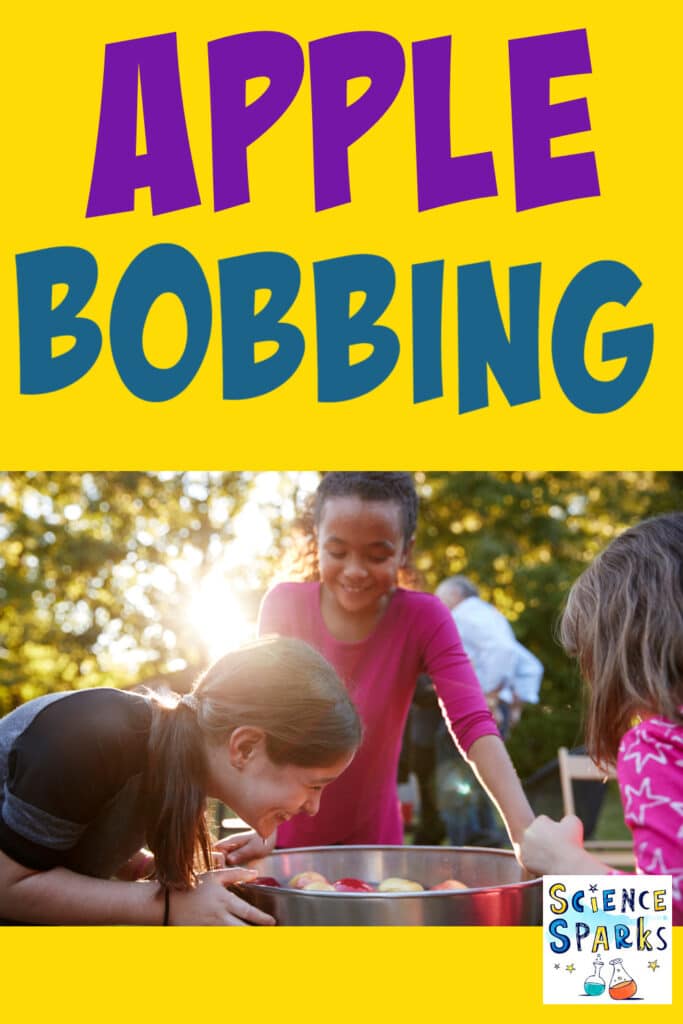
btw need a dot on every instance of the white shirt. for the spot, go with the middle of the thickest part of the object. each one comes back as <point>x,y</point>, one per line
<point>500,661</point>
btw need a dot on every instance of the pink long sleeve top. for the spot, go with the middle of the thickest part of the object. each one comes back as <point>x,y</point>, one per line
<point>416,634</point>
<point>650,773</point>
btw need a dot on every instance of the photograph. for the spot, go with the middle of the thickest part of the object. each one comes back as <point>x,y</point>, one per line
<point>335,698</point>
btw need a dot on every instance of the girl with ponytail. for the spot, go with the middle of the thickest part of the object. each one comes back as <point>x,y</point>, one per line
<point>89,778</point>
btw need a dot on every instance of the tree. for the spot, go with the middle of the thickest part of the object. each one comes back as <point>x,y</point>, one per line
<point>95,562</point>
<point>524,537</point>
<point>97,569</point>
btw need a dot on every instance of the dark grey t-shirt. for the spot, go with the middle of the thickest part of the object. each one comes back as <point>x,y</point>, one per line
<point>71,768</point>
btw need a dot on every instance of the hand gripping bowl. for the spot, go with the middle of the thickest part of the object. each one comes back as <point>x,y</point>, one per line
<point>499,891</point>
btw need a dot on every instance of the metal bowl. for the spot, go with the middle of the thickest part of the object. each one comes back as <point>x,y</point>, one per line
<point>499,891</point>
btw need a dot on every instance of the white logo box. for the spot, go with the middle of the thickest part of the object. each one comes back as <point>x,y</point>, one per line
<point>607,939</point>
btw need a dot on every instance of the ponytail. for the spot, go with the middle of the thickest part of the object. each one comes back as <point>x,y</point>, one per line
<point>175,789</point>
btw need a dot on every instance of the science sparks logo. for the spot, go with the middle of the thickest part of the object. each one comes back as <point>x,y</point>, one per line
<point>607,939</point>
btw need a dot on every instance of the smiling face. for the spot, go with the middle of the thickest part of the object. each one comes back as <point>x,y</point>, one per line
<point>361,548</point>
<point>262,793</point>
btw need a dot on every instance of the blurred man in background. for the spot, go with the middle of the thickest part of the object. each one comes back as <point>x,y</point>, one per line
<point>510,675</point>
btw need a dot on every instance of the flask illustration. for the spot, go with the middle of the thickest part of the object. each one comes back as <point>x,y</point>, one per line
<point>594,985</point>
<point>622,985</point>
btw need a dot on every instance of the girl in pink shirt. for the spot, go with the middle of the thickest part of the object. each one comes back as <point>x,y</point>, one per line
<point>380,637</point>
<point>624,623</point>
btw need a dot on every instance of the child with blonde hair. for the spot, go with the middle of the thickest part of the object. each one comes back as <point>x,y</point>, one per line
<point>624,623</point>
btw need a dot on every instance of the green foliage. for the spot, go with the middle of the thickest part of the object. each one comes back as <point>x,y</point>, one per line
<point>524,537</point>
<point>97,569</point>
<point>94,563</point>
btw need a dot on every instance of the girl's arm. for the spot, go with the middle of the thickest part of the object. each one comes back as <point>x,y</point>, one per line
<point>60,896</point>
<point>471,721</point>
<point>556,848</point>
<point>494,769</point>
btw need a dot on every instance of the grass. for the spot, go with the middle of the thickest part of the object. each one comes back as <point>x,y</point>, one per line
<point>611,824</point>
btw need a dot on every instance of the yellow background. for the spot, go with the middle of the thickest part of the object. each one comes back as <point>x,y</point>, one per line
<point>51,67</point>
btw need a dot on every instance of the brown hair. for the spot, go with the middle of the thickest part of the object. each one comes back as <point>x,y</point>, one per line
<point>397,488</point>
<point>278,684</point>
<point>623,621</point>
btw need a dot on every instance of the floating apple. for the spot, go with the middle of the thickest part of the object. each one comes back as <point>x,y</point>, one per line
<point>265,880</point>
<point>450,883</point>
<point>399,885</point>
<point>352,885</point>
<point>318,887</point>
<point>304,878</point>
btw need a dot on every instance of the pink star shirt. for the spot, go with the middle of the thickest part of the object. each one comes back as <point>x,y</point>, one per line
<point>650,773</point>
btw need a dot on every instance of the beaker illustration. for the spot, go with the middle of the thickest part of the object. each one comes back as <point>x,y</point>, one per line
<point>622,985</point>
<point>594,985</point>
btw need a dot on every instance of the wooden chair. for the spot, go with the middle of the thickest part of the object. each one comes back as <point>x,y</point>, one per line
<point>617,853</point>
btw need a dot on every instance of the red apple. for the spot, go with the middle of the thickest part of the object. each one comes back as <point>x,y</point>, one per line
<point>265,880</point>
<point>304,878</point>
<point>352,885</point>
<point>450,883</point>
<point>399,885</point>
